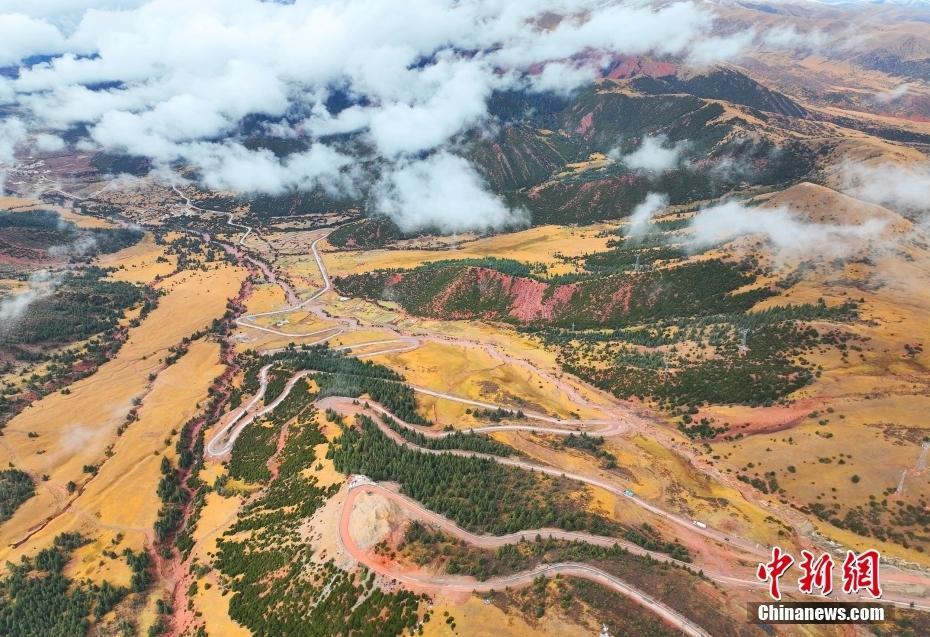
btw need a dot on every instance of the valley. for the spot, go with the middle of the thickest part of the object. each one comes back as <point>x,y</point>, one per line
<point>373,320</point>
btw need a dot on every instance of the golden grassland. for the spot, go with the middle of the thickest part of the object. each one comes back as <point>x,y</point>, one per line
<point>655,474</point>
<point>74,430</point>
<point>116,503</point>
<point>295,322</point>
<point>18,204</point>
<point>899,309</point>
<point>122,498</point>
<point>89,561</point>
<point>496,335</point>
<point>361,336</point>
<point>541,244</point>
<point>217,514</point>
<point>176,396</point>
<point>468,346</point>
<point>671,478</point>
<point>323,469</point>
<point>474,617</point>
<point>472,373</point>
<point>140,263</point>
<point>859,427</point>
<point>266,298</point>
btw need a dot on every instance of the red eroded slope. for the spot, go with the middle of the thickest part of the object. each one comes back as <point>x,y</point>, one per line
<point>625,66</point>
<point>501,295</point>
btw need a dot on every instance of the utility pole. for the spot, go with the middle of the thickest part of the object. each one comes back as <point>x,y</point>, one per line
<point>743,346</point>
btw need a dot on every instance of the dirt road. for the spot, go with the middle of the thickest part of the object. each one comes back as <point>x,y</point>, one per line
<point>450,583</point>
<point>620,419</point>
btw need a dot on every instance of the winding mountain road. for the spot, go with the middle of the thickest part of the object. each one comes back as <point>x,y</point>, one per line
<point>224,439</point>
<point>452,583</point>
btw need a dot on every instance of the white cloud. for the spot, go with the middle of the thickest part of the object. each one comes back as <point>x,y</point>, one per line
<point>903,187</point>
<point>80,246</point>
<point>48,143</point>
<point>563,77</point>
<point>788,235</point>
<point>443,191</point>
<point>788,37</point>
<point>230,166</point>
<point>24,36</point>
<point>643,212</point>
<point>63,13</point>
<point>654,154</point>
<point>12,132</point>
<point>41,285</point>
<point>713,50</point>
<point>894,94</point>
<point>173,80</point>
<point>458,101</point>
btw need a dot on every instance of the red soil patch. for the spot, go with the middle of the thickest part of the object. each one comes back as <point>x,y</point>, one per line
<point>630,66</point>
<point>619,297</point>
<point>274,462</point>
<point>585,124</point>
<point>525,299</point>
<point>529,297</point>
<point>767,420</point>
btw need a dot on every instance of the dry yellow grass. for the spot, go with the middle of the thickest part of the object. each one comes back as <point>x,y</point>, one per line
<point>122,498</point>
<point>114,495</point>
<point>82,221</point>
<point>323,469</point>
<point>540,244</point>
<point>296,322</point>
<point>266,298</point>
<point>214,609</point>
<point>824,460</point>
<point>89,561</point>
<point>472,373</point>
<point>74,430</point>
<point>217,514</point>
<point>873,403</point>
<point>139,263</point>
<point>655,474</point>
<point>471,334</point>
<point>474,617</point>
<point>668,477</point>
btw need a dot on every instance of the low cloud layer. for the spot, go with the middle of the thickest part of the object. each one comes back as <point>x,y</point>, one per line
<point>174,80</point>
<point>894,94</point>
<point>444,192</point>
<point>788,235</point>
<point>13,307</point>
<point>643,213</point>
<point>655,154</point>
<point>901,187</point>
